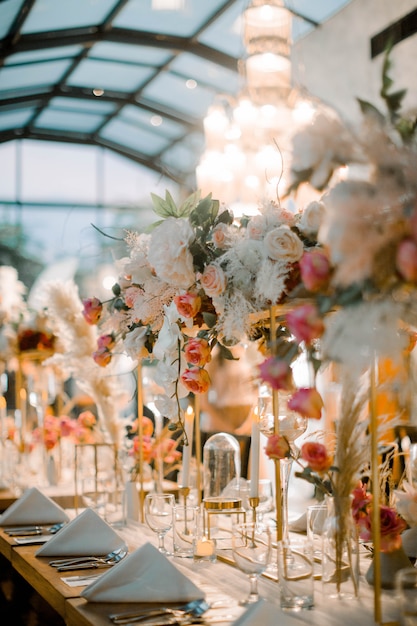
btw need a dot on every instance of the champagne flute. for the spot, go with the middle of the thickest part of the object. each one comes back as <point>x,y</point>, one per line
<point>159,512</point>
<point>251,549</point>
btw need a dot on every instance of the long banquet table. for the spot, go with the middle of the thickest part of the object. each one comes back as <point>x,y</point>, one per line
<point>221,582</point>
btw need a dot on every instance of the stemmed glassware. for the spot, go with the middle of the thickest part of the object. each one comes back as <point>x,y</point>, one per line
<point>159,515</point>
<point>251,549</point>
<point>291,426</point>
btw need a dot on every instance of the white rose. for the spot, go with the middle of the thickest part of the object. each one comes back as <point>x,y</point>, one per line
<point>312,218</point>
<point>169,252</point>
<point>134,342</point>
<point>282,244</point>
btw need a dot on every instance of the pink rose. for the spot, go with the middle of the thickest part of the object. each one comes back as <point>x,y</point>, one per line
<point>307,402</point>
<point>196,380</point>
<point>106,341</point>
<point>66,425</point>
<point>391,527</point>
<point>360,503</point>
<point>305,323</point>
<point>315,455</point>
<point>276,373</point>
<point>220,236</point>
<point>147,426</point>
<point>277,447</point>
<point>197,351</point>
<point>102,357</point>
<point>315,269</point>
<point>146,448</point>
<point>188,304</point>
<point>406,259</point>
<point>92,310</point>
<point>213,280</point>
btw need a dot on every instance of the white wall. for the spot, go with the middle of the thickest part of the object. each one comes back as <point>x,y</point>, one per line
<point>334,61</point>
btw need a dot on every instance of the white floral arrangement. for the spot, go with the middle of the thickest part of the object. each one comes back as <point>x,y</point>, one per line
<point>13,310</point>
<point>198,279</point>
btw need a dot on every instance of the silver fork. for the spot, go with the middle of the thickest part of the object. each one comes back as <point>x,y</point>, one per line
<point>90,559</point>
<point>97,563</point>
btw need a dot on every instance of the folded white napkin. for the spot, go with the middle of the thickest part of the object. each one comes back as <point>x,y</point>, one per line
<point>33,507</point>
<point>146,575</point>
<point>267,614</point>
<point>86,535</point>
<point>298,525</point>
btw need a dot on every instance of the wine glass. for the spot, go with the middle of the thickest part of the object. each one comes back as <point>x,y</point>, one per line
<point>291,426</point>
<point>159,515</point>
<point>251,549</point>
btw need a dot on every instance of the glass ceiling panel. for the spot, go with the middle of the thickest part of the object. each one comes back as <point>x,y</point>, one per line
<point>140,140</point>
<point>73,104</point>
<point>145,55</point>
<point>64,120</point>
<point>34,74</point>
<point>221,78</point>
<point>187,153</point>
<point>109,75</point>
<point>15,119</point>
<point>60,14</point>
<point>226,33</point>
<point>138,14</point>
<point>8,12</point>
<point>172,91</point>
<point>41,55</point>
<point>165,126</point>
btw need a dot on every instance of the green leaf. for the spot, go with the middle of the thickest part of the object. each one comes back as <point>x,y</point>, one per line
<point>189,205</point>
<point>226,353</point>
<point>369,109</point>
<point>210,319</point>
<point>225,217</point>
<point>159,206</point>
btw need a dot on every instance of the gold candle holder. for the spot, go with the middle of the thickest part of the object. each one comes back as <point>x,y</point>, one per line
<point>254,503</point>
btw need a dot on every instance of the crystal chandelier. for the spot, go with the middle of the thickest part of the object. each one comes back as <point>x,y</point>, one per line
<point>247,140</point>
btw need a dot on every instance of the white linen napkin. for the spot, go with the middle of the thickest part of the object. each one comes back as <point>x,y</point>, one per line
<point>33,507</point>
<point>146,575</point>
<point>298,525</point>
<point>267,614</point>
<point>86,535</point>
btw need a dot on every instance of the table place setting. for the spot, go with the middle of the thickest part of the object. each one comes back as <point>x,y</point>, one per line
<point>33,508</point>
<point>87,535</point>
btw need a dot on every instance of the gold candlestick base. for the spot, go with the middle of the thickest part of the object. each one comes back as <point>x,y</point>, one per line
<point>253,503</point>
<point>184,492</point>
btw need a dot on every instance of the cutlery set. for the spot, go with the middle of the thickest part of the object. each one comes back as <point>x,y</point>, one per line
<point>183,615</point>
<point>89,562</point>
<point>29,531</point>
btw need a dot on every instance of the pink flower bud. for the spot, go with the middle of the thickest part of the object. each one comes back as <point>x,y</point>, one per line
<point>92,311</point>
<point>305,323</point>
<point>106,341</point>
<point>276,373</point>
<point>307,402</point>
<point>102,356</point>
<point>315,269</point>
<point>406,260</point>
<point>277,447</point>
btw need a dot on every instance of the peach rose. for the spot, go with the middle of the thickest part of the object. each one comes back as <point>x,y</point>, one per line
<point>220,236</point>
<point>188,304</point>
<point>87,419</point>
<point>213,280</point>
<point>195,379</point>
<point>92,310</point>
<point>307,402</point>
<point>305,323</point>
<point>315,455</point>
<point>197,351</point>
<point>277,447</point>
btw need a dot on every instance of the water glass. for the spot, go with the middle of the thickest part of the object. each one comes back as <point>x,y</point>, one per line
<point>185,519</point>
<point>251,552</point>
<point>406,591</point>
<point>316,516</point>
<point>296,574</point>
